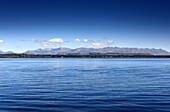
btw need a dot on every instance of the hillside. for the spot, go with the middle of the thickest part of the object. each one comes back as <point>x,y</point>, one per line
<point>99,50</point>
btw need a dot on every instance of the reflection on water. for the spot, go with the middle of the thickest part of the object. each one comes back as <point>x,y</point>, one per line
<point>84,85</point>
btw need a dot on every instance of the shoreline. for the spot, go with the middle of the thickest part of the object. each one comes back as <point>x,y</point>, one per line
<point>99,55</point>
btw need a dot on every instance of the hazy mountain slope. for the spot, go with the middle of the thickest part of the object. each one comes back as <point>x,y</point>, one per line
<point>49,51</point>
<point>8,52</point>
<point>100,50</point>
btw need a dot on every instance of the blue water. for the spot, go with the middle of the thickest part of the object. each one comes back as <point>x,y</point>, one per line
<point>84,85</point>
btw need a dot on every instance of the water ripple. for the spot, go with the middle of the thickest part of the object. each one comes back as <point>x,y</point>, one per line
<point>84,85</point>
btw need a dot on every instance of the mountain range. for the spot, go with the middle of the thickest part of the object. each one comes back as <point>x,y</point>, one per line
<point>8,52</point>
<point>98,50</point>
<point>92,50</point>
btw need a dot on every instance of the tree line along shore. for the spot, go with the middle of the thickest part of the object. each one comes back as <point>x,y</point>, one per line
<point>84,55</point>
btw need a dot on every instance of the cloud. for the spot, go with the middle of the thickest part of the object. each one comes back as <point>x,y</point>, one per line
<point>1,41</point>
<point>110,42</point>
<point>77,40</point>
<point>46,43</point>
<point>56,40</point>
<point>86,41</point>
<point>95,44</point>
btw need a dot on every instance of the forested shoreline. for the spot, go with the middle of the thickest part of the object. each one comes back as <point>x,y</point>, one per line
<point>84,55</point>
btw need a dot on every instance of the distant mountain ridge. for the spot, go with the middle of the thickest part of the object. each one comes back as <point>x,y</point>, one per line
<point>99,50</point>
<point>92,50</point>
<point>8,52</point>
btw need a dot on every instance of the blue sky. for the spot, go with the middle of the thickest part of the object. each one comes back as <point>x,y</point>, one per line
<point>28,24</point>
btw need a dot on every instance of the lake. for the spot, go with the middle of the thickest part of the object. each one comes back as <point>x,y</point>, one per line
<point>84,85</point>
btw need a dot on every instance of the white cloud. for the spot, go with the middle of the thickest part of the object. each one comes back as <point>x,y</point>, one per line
<point>45,43</point>
<point>77,40</point>
<point>95,44</point>
<point>86,41</point>
<point>110,42</point>
<point>1,41</point>
<point>56,40</point>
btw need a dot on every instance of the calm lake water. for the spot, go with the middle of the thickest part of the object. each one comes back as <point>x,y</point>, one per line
<point>84,85</point>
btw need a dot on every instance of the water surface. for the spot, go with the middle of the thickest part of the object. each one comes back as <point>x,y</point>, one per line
<point>84,85</point>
